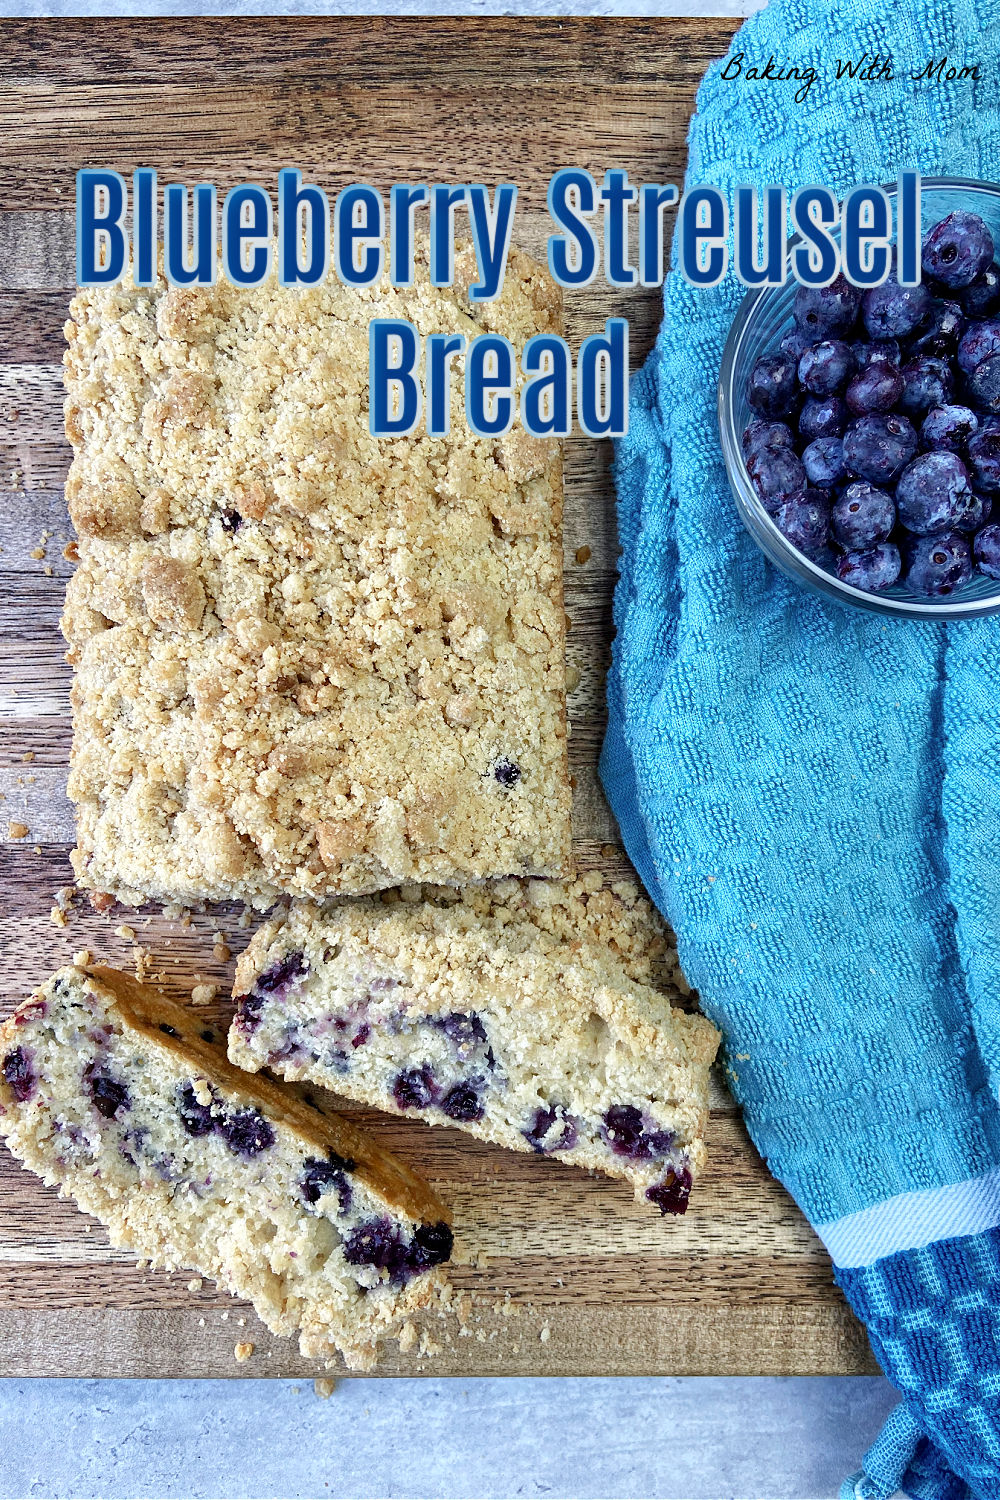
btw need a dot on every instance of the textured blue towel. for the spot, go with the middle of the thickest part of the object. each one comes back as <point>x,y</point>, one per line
<point>812,794</point>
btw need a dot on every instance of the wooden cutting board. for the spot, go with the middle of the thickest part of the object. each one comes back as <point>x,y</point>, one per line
<point>568,1275</point>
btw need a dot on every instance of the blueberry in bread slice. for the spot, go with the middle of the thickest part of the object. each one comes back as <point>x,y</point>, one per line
<point>125,1102</point>
<point>509,1013</point>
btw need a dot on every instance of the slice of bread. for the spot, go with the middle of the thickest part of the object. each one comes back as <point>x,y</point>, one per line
<point>123,1100</point>
<point>508,1011</point>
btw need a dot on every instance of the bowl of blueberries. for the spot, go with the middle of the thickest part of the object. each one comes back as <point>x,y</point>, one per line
<point>861,428</point>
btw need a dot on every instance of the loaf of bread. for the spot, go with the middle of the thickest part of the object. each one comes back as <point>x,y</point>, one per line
<point>307,660</point>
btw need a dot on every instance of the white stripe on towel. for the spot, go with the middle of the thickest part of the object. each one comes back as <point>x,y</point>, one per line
<point>912,1220</point>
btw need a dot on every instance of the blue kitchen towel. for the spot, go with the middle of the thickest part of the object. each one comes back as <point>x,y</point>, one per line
<point>811,793</point>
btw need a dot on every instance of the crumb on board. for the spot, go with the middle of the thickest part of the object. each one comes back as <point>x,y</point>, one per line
<point>28,757</point>
<point>583,554</point>
<point>37,553</point>
<point>123,930</point>
<point>17,830</point>
<point>204,994</point>
<point>407,1338</point>
<point>324,1387</point>
<point>101,901</point>
<point>243,1352</point>
<point>195,1284</point>
<point>573,677</point>
<point>545,1334</point>
<point>83,959</point>
<point>57,917</point>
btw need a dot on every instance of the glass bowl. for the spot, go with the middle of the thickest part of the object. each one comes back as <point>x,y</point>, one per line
<point>763,317</point>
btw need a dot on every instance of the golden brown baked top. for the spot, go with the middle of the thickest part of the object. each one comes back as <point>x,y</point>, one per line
<point>307,660</point>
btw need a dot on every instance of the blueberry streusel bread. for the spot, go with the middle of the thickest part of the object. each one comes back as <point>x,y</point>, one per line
<point>508,1011</point>
<point>307,660</point>
<point>117,1096</point>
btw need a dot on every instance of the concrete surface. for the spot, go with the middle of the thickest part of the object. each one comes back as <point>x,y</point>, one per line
<point>597,1439</point>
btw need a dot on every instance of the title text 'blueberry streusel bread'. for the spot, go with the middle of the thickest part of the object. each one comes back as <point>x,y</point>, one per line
<point>509,1012</point>
<point>113,1093</point>
<point>307,660</point>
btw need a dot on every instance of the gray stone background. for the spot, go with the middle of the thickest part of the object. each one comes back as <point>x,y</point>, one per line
<point>716,1438</point>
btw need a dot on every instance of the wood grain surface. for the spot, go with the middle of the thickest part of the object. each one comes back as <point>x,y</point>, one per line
<point>566,1274</point>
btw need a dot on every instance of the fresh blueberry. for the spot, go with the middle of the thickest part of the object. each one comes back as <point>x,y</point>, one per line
<point>932,493</point>
<point>979,341</point>
<point>867,352</point>
<point>987,551</point>
<point>974,512</point>
<point>872,570</point>
<point>671,1195</point>
<point>984,460</point>
<point>823,461</point>
<point>462,1102</point>
<point>984,384</point>
<point>246,1132</point>
<point>507,773</point>
<point>825,367</point>
<point>795,343</point>
<point>892,311</point>
<point>772,387</point>
<point>196,1118</point>
<point>551,1129</point>
<point>414,1088</point>
<point>109,1094</point>
<point>940,330</point>
<point>804,519</point>
<point>927,382</point>
<point>949,427</point>
<point>765,434</point>
<point>775,473</point>
<point>958,249</point>
<point>825,312</point>
<point>877,448</point>
<point>319,1176</point>
<point>862,516</point>
<point>19,1075</point>
<point>982,296</point>
<point>875,388</point>
<point>822,416</point>
<point>938,565</point>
